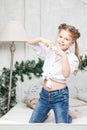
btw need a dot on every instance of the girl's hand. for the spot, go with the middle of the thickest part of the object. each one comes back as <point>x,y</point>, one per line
<point>59,52</point>
<point>46,42</point>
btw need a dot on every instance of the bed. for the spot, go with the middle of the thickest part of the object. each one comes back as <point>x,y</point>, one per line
<point>21,113</point>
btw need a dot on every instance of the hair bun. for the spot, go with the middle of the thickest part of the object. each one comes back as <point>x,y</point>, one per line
<point>77,33</point>
<point>71,29</point>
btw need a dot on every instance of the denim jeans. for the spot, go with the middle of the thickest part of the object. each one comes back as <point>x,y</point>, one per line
<point>56,100</point>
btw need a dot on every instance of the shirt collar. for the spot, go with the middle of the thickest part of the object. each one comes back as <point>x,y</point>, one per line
<point>68,51</point>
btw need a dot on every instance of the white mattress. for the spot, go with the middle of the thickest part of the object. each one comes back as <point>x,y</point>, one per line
<point>20,114</point>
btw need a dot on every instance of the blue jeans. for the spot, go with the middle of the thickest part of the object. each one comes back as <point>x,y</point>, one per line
<point>56,100</point>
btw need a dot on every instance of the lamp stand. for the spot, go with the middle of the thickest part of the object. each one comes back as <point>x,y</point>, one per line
<point>12,50</point>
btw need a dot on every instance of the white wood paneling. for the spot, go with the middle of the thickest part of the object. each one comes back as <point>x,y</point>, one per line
<point>11,10</point>
<point>32,23</point>
<point>60,11</point>
<point>40,18</point>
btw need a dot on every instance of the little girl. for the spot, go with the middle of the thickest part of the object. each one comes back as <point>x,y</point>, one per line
<point>59,64</point>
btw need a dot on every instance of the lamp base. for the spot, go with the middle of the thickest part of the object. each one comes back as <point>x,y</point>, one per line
<point>12,50</point>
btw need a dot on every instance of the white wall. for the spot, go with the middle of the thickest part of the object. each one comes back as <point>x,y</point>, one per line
<point>41,18</point>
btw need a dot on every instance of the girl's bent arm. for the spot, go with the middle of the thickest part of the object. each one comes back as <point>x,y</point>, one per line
<point>65,62</point>
<point>34,41</point>
<point>65,66</point>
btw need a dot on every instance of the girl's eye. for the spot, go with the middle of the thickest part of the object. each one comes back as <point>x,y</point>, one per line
<point>60,36</point>
<point>67,39</point>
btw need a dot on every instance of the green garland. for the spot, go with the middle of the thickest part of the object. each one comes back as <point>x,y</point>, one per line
<point>83,62</point>
<point>28,68</point>
<point>20,69</point>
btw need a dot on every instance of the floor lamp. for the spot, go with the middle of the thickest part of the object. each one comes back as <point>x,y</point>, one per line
<point>12,33</point>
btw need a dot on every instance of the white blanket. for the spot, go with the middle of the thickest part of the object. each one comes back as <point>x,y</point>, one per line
<point>20,114</point>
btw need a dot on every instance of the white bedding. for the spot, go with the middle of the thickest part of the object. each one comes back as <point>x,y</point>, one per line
<point>20,114</point>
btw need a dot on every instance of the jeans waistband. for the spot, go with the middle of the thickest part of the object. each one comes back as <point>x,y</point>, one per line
<point>59,90</point>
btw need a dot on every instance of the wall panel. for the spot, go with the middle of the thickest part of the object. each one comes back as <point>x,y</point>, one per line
<point>11,10</point>
<point>40,18</point>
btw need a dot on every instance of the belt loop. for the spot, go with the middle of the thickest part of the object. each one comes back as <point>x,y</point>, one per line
<point>59,91</point>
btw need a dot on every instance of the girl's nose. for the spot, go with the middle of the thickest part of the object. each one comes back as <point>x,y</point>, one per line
<point>62,40</point>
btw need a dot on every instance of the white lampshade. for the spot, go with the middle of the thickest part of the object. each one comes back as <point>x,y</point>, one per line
<point>14,31</point>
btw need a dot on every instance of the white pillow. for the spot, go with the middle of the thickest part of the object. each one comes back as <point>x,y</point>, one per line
<point>82,120</point>
<point>82,95</point>
<point>31,103</point>
<point>73,102</point>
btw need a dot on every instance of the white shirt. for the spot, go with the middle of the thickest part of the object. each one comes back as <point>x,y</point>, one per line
<point>52,68</point>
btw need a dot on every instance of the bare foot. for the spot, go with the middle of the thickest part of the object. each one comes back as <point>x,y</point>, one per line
<point>49,114</point>
<point>72,115</point>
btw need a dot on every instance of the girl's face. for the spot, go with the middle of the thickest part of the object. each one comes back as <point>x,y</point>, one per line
<point>64,40</point>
